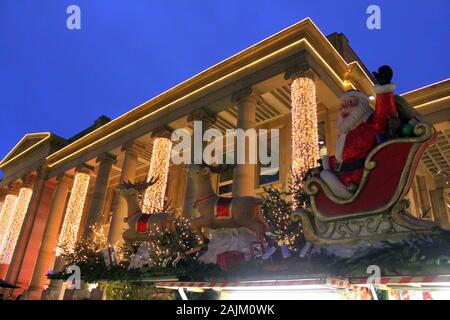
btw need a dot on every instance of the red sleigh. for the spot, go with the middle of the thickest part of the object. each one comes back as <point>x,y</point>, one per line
<point>377,210</point>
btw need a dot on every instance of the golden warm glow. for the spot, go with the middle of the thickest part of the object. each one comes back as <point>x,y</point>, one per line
<point>20,210</point>
<point>431,102</point>
<point>159,168</point>
<point>305,138</point>
<point>345,85</point>
<point>74,212</point>
<point>6,214</point>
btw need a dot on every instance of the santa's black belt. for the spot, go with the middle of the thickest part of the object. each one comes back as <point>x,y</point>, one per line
<point>342,167</point>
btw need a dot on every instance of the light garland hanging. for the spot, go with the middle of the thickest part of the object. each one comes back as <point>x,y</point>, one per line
<point>159,168</point>
<point>6,214</point>
<point>305,138</point>
<point>20,210</point>
<point>74,212</point>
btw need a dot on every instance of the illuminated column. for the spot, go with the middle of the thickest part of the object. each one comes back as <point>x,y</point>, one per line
<point>120,210</point>
<point>189,210</point>
<point>244,174</point>
<point>6,214</point>
<point>71,224</point>
<point>20,210</point>
<point>97,203</point>
<point>159,168</point>
<point>49,241</point>
<point>3,194</point>
<point>305,139</point>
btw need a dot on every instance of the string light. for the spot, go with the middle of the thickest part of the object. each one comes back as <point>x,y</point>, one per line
<point>20,210</point>
<point>305,138</point>
<point>165,246</point>
<point>277,211</point>
<point>159,168</point>
<point>74,211</point>
<point>6,214</point>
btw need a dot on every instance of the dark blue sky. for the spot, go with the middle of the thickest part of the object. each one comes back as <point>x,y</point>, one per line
<point>54,79</point>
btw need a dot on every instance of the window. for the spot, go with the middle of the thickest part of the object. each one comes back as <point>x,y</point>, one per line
<point>266,172</point>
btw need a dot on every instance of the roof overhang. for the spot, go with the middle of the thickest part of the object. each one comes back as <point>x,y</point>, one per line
<point>303,36</point>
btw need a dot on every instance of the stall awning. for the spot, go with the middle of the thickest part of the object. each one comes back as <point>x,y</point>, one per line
<point>410,282</point>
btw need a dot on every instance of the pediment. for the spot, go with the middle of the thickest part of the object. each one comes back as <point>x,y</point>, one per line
<point>27,143</point>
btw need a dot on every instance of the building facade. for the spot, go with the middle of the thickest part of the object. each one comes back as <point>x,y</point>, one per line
<point>54,189</point>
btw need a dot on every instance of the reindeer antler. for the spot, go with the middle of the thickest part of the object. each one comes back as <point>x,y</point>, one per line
<point>140,186</point>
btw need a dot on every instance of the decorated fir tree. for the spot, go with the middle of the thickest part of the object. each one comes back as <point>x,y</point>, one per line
<point>166,247</point>
<point>277,209</point>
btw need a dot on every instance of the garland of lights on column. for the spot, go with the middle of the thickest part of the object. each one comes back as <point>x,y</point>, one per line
<point>20,210</point>
<point>159,168</point>
<point>72,218</point>
<point>305,137</point>
<point>6,215</point>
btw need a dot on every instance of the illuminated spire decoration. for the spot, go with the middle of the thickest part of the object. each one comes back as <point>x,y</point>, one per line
<point>20,210</point>
<point>159,168</point>
<point>305,138</point>
<point>74,212</point>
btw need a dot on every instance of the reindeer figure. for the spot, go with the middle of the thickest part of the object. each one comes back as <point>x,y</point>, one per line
<point>142,224</point>
<point>220,212</point>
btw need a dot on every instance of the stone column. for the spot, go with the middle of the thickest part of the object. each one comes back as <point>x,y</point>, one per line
<point>10,194</point>
<point>439,208</point>
<point>50,238</point>
<point>55,290</point>
<point>304,129</point>
<point>97,204</point>
<point>32,216</point>
<point>154,196</point>
<point>332,117</point>
<point>244,174</point>
<point>120,210</point>
<point>190,191</point>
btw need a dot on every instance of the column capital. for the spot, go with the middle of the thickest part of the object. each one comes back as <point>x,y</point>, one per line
<point>246,94</point>
<point>28,179</point>
<point>4,191</point>
<point>300,70</point>
<point>162,132</point>
<point>106,158</point>
<point>202,115</point>
<point>84,168</point>
<point>14,187</point>
<point>64,177</point>
<point>133,147</point>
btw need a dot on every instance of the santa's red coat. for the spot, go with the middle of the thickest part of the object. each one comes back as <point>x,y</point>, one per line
<point>361,140</point>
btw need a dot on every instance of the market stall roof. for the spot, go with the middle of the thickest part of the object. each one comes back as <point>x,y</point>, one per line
<point>408,282</point>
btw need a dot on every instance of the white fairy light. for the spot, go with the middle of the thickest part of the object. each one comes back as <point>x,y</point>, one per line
<point>159,168</point>
<point>74,212</point>
<point>6,214</point>
<point>20,210</point>
<point>305,137</point>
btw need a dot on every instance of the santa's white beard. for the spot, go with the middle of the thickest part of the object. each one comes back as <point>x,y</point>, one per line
<point>358,115</point>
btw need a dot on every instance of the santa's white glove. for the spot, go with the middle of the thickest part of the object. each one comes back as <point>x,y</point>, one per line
<point>326,163</point>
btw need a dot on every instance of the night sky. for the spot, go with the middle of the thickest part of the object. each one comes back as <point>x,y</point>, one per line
<point>60,80</point>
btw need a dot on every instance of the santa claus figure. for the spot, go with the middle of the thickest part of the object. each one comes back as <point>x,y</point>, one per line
<point>360,129</point>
